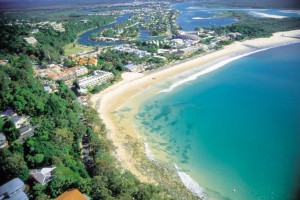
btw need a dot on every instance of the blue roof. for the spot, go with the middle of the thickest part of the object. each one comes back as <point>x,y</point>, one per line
<point>2,136</point>
<point>11,186</point>
<point>24,128</point>
<point>19,196</point>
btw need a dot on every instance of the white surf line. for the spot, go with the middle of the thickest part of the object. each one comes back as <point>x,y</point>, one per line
<point>199,18</point>
<point>191,185</point>
<point>260,14</point>
<point>148,153</point>
<point>291,11</point>
<point>215,67</point>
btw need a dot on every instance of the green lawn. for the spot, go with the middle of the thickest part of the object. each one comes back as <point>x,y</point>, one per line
<point>74,48</point>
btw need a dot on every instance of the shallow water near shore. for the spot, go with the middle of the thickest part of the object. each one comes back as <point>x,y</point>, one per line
<point>235,130</point>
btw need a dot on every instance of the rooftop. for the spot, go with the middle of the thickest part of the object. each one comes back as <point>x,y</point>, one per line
<point>73,194</point>
<point>2,137</point>
<point>130,66</point>
<point>8,112</point>
<point>11,187</point>
<point>43,175</point>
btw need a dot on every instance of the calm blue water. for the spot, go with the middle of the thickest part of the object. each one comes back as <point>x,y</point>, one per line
<point>192,16</point>
<point>234,128</point>
<point>84,38</point>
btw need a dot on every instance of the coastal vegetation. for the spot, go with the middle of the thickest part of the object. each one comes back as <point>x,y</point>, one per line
<point>63,124</point>
<point>50,43</point>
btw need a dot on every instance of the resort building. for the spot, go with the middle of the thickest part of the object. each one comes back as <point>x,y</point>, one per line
<point>81,71</point>
<point>187,36</point>
<point>133,68</point>
<point>43,175</point>
<point>139,53</point>
<point>98,78</point>
<point>13,190</point>
<point>72,194</point>
<point>190,50</point>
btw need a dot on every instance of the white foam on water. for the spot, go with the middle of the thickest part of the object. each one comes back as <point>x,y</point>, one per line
<point>291,11</point>
<point>193,8</point>
<point>190,184</point>
<point>260,14</point>
<point>148,153</point>
<point>210,69</point>
<point>199,18</point>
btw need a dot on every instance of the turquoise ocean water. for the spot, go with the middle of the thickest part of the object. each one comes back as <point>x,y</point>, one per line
<point>236,130</point>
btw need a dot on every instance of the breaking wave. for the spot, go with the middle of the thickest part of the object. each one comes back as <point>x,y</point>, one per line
<point>192,185</point>
<point>210,69</point>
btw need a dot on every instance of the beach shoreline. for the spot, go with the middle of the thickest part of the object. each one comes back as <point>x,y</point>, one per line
<point>130,148</point>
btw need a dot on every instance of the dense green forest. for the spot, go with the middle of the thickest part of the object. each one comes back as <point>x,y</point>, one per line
<point>63,123</point>
<point>50,42</point>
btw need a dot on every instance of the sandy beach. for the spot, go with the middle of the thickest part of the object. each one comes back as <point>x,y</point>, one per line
<point>130,148</point>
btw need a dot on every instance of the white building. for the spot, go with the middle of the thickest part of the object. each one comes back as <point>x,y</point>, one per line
<point>31,40</point>
<point>81,71</point>
<point>98,78</point>
<point>43,175</point>
<point>138,52</point>
<point>133,68</point>
<point>58,26</point>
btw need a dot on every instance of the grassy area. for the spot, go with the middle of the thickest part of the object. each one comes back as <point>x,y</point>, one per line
<point>74,48</point>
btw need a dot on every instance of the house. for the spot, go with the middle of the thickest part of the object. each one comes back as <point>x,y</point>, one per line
<point>233,35</point>
<point>13,190</point>
<point>35,31</point>
<point>47,89</point>
<point>7,113</point>
<point>58,27</point>
<point>31,40</point>
<point>27,131</point>
<point>19,121</point>
<point>133,68</point>
<point>2,140</point>
<point>3,62</point>
<point>93,61</point>
<point>43,175</point>
<point>75,59</point>
<point>72,194</point>
<point>82,61</point>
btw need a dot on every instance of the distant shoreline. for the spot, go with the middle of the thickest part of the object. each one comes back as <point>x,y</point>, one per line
<point>122,131</point>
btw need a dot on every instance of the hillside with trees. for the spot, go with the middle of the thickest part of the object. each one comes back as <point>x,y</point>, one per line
<point>63,124</point>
